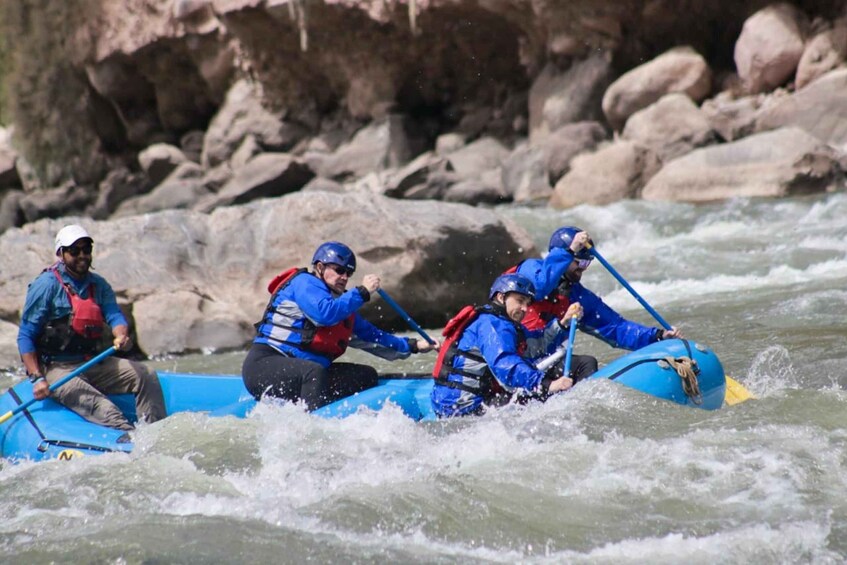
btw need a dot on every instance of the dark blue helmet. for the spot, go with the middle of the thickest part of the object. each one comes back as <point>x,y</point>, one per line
<point>335,252</point>
<point>563,237</point>
<point>512,282</point>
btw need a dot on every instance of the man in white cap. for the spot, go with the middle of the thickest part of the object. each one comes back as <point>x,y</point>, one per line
<point>62,322</point>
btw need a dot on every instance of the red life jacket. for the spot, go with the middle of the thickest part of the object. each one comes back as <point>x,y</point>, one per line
<point>330,341</point>
<point>452,332</point>
<point>540,312</point>
<point>76,334</point>
<point>86,315</point>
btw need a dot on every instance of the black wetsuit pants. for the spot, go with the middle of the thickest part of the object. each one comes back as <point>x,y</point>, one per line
<point>268,372</point>
<point>582,366</point>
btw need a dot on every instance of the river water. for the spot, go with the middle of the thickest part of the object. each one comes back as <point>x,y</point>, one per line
<point>601,474</point>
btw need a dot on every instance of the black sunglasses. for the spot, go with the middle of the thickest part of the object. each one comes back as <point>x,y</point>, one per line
<point>76,250</point>
<point>341,270</point>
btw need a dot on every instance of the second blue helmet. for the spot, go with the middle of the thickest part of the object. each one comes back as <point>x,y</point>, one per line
<point>335,252</point>
<point>563,237</point>
<point>512,282</point>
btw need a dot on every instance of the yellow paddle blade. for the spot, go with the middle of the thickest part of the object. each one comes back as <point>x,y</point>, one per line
<point>735,392</point>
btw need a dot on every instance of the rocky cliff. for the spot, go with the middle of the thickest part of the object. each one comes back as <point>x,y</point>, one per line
<point>91,84</point>
<point>118,111</point>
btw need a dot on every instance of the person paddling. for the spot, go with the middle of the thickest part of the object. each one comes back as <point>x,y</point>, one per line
<point>557,280</point>
<point>483,360</point>
<point>309,322</point>
<point>65,311</point>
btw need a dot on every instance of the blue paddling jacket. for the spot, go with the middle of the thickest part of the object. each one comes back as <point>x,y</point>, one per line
<point>304,309</point>
<point>598,320</point>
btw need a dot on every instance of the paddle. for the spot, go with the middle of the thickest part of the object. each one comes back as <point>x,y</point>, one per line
<point>79,370</point>
<point>735,391</point>
<point>564,350</point>
<point>569,355</point>
<point>553,358</point>
<point>409,320</point>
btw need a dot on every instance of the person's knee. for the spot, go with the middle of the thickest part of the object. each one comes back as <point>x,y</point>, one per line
<point>370,378</point>
<point>145,374</point>
<point>586,365</point>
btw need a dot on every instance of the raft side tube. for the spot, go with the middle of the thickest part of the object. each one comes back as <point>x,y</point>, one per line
<point>647,371</point>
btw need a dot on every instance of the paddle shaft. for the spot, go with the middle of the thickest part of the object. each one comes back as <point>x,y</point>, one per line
<point>76,372</point>
<point>631,290</point>
<point>409,320</point>
<point>739,393</point>
<point>552,359</point>
<point>569,355</point>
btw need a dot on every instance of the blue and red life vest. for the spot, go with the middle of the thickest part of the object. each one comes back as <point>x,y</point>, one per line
<point>330,341</point>
<point>488,385</point>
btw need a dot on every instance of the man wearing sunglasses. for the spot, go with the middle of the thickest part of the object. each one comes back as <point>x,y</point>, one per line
<point>309,322</point>
<point>557,279</point>
<point>62,322</point>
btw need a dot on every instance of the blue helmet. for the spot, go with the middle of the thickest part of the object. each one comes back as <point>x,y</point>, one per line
<point>512,282</point>
<point>563,237</point>
<point>335,252</point>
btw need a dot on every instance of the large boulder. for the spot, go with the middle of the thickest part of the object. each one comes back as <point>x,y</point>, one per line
<point>11,214</point>
<point>770,46</point>
<point>242,114</point>
<point>8,172</point>
<point>192,280</point>
<point>159,160</point>
<point>8,345</point>
<point>825,52</point>
<point>488,189</point>
<point>681,69</point>
<point>267,175</point>
<point>119,186</point>
<point>567,142</point>
<point>56,202</point>
<point>473,160</point>
<point>559,98</point>
<point>732,118</point>
<point>616,171</point>
<point>671,127</point>
<point>381,145</point>
<point>428,176</point>
<point>819,109</point>
<point>183,188</point>
<point>782,162</point>
<point>209,324</point>
<point>525,175</point>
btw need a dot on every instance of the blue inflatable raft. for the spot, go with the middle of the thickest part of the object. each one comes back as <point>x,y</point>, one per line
<point>47,430</point>
<point>650,370</point>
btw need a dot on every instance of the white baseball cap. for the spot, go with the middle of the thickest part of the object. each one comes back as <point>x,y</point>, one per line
<point>69,235</point>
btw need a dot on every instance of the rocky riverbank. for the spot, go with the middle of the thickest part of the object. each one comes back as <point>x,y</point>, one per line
<point>161,118</point>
